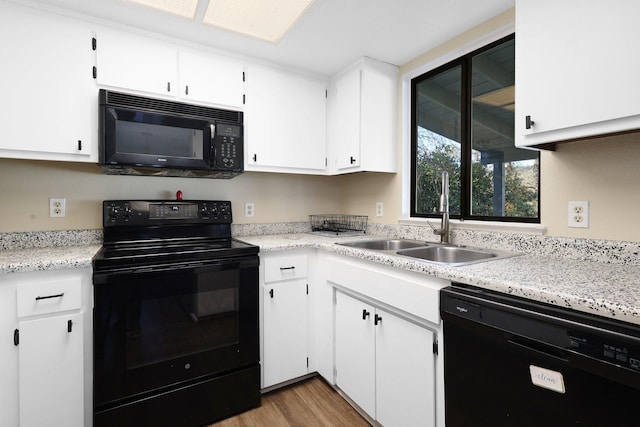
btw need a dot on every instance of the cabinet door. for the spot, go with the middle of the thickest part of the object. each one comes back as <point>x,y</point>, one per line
<point>378,129</point>
<point>51,371</point>
<point>578,76</point>
<point>405,372</point>
<point>355,351</point>
<point>209,78</point>
<point>363,112</point>
<point>345,136</point>
<point>8,353</point>
<point>285,121</point>
<point>129,61</point>
<point>49,103</point>
<point>285,332</point>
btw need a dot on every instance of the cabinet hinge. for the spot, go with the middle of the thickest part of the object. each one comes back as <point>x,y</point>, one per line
<point>244,77</point>
<point>307,362</point>
<point>326,162</point>
<point>435,348</point>
<point>307,289</point>
<point>244,99</point>
<point>94,43</point>
<point>95,72</point>
<point>326,93</point>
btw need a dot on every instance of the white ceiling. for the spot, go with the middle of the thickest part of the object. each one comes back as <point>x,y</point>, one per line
<point>330,36</point>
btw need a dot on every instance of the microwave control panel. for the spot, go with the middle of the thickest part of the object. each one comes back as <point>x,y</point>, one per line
<point>227,145</point>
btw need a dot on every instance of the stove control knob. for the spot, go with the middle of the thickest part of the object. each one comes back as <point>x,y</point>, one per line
<point>113,212</point>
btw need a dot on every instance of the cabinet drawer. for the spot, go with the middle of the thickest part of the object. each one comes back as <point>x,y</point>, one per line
<point>284,268</point>
<point>49,296</point>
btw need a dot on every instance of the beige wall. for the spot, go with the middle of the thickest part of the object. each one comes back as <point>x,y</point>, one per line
<point>604,172</point>
<point>25,188</point>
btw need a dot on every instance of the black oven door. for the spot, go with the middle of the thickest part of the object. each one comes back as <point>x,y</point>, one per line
<point>171,325</point>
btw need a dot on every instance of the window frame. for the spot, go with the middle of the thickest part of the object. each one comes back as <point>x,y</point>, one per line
<point>464,61</point>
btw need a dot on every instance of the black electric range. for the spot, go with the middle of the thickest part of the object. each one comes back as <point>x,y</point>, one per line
<point>176,330</point>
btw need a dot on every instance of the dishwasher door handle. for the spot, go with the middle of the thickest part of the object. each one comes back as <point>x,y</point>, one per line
<point>539,348</point>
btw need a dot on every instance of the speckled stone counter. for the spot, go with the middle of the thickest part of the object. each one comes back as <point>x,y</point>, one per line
<point>610,289</point>
<point>48,250</point>
<point>46,258</point>
<point>604,289</point>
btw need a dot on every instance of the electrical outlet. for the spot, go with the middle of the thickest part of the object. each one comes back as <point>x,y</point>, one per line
<point>57,207</point>
<point>579,214</point>
<point>379,209</point>
<point>249,209</point>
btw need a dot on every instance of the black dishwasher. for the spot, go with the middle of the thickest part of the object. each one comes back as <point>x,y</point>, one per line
<point>509,361</point>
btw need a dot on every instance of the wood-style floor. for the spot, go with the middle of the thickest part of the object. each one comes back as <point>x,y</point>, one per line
<point>312,403</point>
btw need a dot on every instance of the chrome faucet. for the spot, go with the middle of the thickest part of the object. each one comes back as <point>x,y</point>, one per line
<point>443,208</point>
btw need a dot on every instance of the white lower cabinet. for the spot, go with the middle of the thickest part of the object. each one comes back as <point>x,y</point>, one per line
<point>355,351</point>
<point>51,371</point>
<point>284,313</point>
<point>46,367</point>
<point>384,363</point>
<point>369,329</point>
<point>285,332</point>
<point>378,331</point>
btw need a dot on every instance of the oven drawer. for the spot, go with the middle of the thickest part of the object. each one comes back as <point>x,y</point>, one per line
<point>284,267</point>
<point>44,297</point>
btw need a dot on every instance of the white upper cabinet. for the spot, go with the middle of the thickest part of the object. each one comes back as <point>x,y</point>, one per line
<point>363,109</point>
<point>129,61</point>
<point>143,64</point>
<point>576,69</point>
<point>285,122</point>
<point>50,105</point>
<point>205,77</point>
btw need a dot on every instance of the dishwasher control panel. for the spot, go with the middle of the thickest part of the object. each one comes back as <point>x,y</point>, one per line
<point>622,354</point>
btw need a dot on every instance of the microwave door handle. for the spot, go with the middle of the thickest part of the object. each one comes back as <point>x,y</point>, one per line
<point>213,145</point>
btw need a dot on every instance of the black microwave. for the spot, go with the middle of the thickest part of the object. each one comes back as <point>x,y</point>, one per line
<point>146,136</point>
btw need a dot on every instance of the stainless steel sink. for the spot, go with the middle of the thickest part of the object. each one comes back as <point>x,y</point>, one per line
<point>435,253</point>
<point>385,244</point>
<point>454,255</point>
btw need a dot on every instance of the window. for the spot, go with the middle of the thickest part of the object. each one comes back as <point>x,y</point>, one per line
<point>462,119</point>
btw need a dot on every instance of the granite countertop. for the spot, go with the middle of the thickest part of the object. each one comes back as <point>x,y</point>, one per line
<point>47,258</point>
<point>603,289</point>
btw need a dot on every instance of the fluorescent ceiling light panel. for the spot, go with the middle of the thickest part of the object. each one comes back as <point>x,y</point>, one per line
<point>264,19</point>
<point>184,8</point>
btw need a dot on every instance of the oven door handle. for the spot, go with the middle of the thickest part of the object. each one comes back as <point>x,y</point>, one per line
<point>220,264</point>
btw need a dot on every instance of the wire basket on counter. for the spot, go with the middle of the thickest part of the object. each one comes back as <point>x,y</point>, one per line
<point>339,223</point>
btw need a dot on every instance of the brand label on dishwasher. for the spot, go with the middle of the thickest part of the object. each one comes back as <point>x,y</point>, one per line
<point>546,378</point>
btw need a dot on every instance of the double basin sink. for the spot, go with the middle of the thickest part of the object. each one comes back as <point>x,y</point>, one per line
<point>437,253</point>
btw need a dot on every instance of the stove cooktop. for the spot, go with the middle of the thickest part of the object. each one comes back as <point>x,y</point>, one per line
<point>139,233</point>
